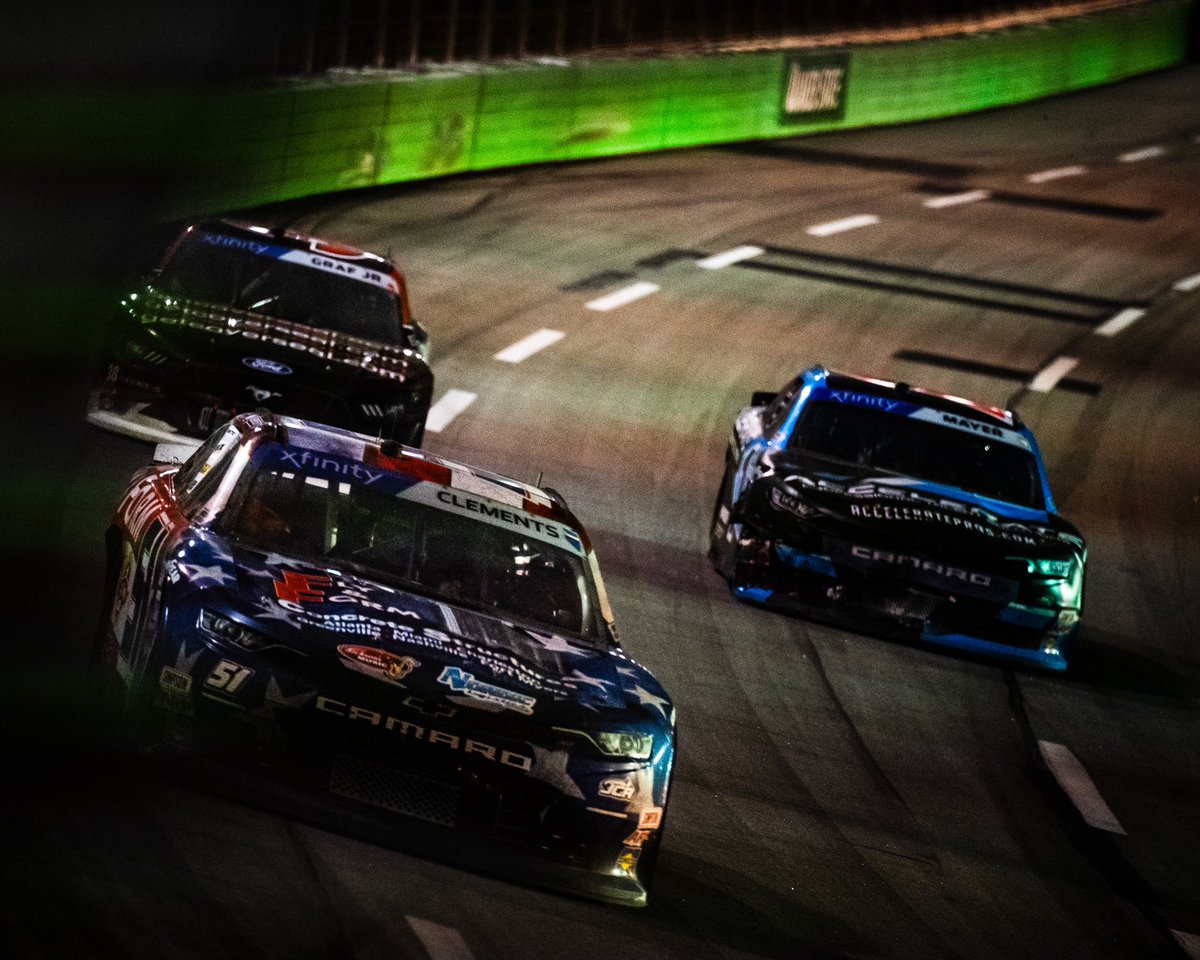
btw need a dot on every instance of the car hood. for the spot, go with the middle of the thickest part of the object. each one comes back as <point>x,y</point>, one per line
<point>349,626</point>
<point>219,341</point>
<point>841,500</point>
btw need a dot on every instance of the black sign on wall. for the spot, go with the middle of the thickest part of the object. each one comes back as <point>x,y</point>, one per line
<point>814,87</point>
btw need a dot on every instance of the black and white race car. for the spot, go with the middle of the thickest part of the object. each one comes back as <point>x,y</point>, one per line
<point>877,504</point>
<point>235,317</point>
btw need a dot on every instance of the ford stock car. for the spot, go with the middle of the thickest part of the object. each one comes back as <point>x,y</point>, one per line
<point>416,650</point>
<point>875,504</point>
<point>235,317</point>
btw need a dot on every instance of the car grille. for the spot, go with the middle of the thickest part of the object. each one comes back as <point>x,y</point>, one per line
<point>395,790</point>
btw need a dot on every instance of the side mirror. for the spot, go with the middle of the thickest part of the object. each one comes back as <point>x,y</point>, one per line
<point>760,398</point>
<point>172,453</point>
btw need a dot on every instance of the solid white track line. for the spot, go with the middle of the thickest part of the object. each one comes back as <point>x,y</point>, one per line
<point>623,296</point>
<point>1187,284</point>
<point>1077,785</point>
<point>446,409</point>
<point>1047,378</point>
<point>526,348</point>
<point>840,226</point>
<point>1120,321</point>
<point>736,255</point>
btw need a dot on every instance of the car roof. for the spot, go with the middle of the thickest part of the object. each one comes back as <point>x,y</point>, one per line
<point>295,240</point>
<point>945,402</point>
<point>399,458</point>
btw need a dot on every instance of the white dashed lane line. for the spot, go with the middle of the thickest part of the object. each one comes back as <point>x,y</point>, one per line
<point>441,943</point>
<point>840,226</point>
<point>523,349</point>
<point>954,199</point>
<point>1187,284</point>
<point>1047,378</point>
<point>1146,153</point>
<point>736,255</point>
<point>446,409</point>
<point>634,291</point>
<point>1057,173</point>
<point>1077,785</point>
<point>1120,321</point>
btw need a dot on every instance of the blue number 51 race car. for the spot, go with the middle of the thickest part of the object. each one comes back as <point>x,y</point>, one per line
<point>876,504</point>
<point>414,649</point>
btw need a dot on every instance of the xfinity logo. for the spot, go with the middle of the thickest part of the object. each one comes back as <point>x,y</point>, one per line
<point>263,365</point>
<point>864,399</point>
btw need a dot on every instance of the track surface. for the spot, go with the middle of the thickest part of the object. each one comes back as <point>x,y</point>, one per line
<point>835,795</point>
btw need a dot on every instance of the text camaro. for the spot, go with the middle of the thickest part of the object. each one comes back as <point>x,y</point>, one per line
<point>377,633</point>
<point>878,504</point>
<point>235,317</point>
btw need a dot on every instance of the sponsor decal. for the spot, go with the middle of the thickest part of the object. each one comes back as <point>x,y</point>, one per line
<point>415,731</point>
<point>651,819</point>
<point>866,400</point>
<point>460,681</point>
<point>627,861</point>
<point>265,365</point>
<point>789,503</point>
<point>306,460</point>
<point>175,681</point>
<point>967,520</point>
<point>143,506</point>
<point>382,664</point>
<point>920,563</point>
<point>814,87</point>
<point>618,789</point>
<point>637,838</point>
<point>302,587</point>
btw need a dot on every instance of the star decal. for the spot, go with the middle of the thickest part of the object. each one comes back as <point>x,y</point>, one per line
<point>576,678</point>
<point>265,721</point>
<point>646,698</point>
<point>215,575</point>
<point>550,766</point>
<point>268,608</point>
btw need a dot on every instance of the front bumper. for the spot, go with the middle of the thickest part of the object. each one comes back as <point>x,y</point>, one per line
<point>817,586</point>
<point>431,799</point>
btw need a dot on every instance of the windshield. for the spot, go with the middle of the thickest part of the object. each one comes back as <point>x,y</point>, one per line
<point>915,448</point>
<point>433,551</point>
<point>239,278</point>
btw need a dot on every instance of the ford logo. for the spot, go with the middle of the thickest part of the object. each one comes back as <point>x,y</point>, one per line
<point>263,365</point>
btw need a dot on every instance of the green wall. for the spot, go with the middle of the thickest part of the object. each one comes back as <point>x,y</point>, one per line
<point>319,136</point>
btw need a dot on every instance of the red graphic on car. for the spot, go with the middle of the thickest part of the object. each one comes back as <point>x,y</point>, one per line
<point>301,587</point>
<point>374,661</point>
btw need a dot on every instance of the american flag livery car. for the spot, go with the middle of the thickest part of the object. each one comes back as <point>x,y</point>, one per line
<point>235,317</point>
<point>408,647</point>
<point>879,505</point>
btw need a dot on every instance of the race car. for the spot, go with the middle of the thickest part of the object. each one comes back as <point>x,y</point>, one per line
<point>409,648</point>
<point>879,505</point>
<point>236,316</point>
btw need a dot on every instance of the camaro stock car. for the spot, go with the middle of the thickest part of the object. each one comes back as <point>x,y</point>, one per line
<point>235,317</point>
<point>877,504</point>
<point>397,643</point>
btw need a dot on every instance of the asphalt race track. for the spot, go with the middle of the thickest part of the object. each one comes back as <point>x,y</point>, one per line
<point>836,795</point>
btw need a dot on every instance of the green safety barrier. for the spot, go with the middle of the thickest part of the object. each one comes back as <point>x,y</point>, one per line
<point>299,138</point>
